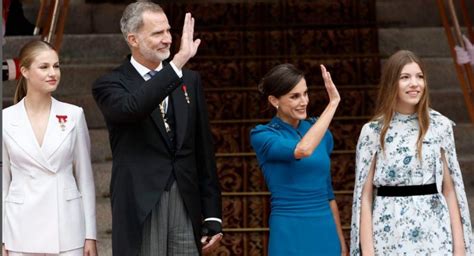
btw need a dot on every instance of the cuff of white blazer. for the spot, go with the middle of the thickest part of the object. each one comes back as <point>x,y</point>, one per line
<point>91,236</point>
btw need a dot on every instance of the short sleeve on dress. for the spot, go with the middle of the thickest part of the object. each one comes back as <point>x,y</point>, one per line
<point>269,144</point>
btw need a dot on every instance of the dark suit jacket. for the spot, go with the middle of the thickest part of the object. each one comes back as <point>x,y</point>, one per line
<point>143,158</point>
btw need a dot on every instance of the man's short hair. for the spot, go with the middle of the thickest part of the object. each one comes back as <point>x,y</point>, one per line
<point>132,17</point>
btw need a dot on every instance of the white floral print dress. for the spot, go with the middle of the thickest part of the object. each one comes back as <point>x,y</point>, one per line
<point>412,225</point>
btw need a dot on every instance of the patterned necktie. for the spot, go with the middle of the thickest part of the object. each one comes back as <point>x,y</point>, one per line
<point>163,106</point>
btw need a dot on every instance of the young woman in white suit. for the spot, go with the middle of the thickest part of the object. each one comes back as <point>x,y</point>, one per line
<point>48,187</point>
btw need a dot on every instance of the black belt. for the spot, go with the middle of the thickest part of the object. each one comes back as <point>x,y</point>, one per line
<point>418,190</point>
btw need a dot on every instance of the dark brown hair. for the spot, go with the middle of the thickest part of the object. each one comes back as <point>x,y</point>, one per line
<point>279,81</point>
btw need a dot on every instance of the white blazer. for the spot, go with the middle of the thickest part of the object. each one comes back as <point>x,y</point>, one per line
<point>48,191</point>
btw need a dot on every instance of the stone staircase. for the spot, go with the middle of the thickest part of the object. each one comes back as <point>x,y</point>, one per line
<point>241,41</point>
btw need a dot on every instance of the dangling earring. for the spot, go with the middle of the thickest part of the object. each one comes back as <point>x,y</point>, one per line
<point>276,107</point>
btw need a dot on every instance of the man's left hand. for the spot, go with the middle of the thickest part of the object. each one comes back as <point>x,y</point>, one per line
<point>210,243</point>
<point>211,235</point>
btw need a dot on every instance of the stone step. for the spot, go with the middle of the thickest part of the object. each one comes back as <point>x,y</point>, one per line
<point>104,226</point>
<point>466,161</point>
<point>102,175</point>
<point>104,18</point>
<point>87,48</point>
<point>104,245</point>
<point>279,41</point>
<point>420,13</point>
<point>104,216</point>
<point>84,18</point>
<point>100,147</point>
<point>79,77</point>
<point>464,136</point>
<point>424,41</point>
<point>451,104</point>
<point>236,70</point>
<point>441,74</point>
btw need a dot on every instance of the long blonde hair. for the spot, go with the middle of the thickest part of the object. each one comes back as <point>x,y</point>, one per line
<point>27,55</point>
<point>388,92</point>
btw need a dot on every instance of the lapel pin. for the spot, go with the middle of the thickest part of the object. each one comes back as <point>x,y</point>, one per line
<point>185,90</point>
<point>62,119</point>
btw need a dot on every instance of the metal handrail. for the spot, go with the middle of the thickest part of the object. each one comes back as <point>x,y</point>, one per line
<point>464,72</point>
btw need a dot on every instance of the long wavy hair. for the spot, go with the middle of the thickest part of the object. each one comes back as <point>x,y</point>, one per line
<point>388,96</point>
<point>27,55</point>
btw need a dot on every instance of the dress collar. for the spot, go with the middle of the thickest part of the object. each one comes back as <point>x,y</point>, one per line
<point>278,120</point>
<point>404,117</point>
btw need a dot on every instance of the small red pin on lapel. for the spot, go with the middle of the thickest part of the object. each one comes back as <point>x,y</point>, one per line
<point>185,90</point>
<point>62,119</point>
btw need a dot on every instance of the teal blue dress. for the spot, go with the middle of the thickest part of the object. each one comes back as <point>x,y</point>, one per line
<point>301,220</point>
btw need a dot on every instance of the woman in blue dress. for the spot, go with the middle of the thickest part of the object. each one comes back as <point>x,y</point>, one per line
<point>293,153</point>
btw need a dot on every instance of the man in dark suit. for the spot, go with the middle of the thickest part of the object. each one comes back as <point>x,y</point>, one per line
<point>164,189</point>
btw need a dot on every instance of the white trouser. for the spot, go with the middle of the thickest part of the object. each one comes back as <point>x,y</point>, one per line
<point>75,252</point>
